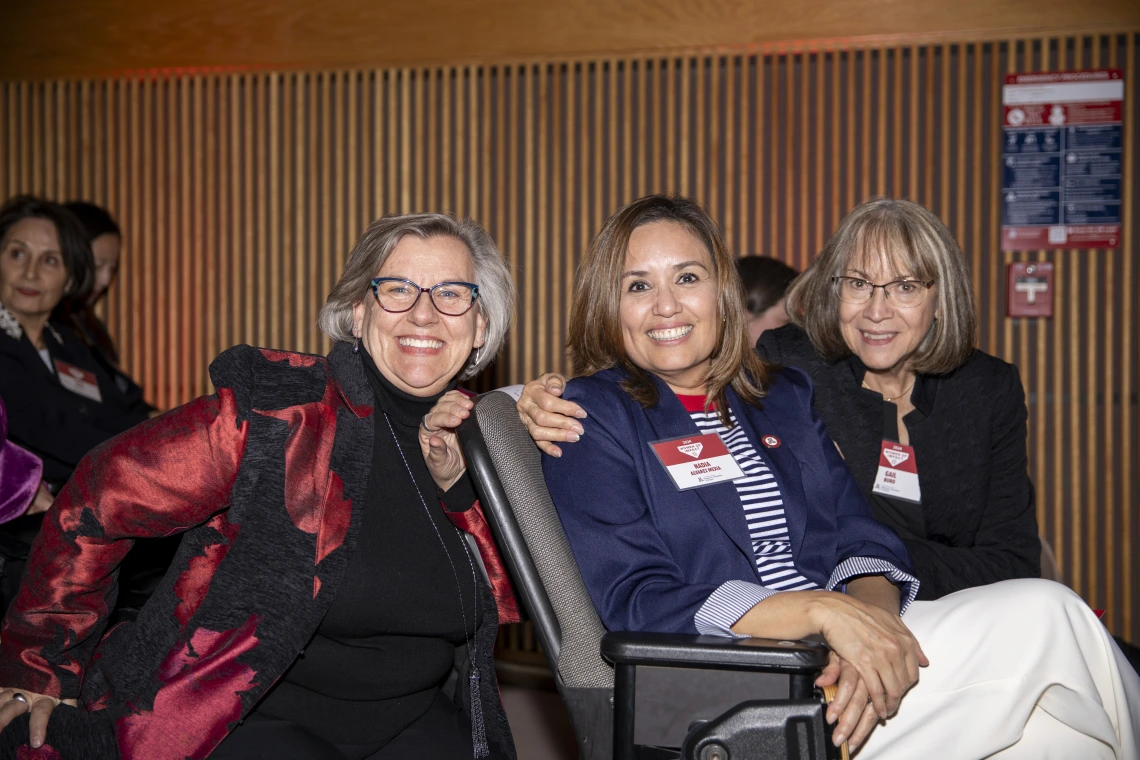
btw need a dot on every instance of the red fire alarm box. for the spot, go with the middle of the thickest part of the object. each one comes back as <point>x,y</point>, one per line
<point>1029,289</point>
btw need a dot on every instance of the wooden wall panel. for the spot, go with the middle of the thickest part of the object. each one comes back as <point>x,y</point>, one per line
<point>84,38</point>
<point>240,194</point>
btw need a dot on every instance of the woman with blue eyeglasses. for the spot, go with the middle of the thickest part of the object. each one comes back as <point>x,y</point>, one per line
<point>325,602</point>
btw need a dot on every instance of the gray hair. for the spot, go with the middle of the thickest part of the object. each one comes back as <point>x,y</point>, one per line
<point>496,301</point>
<point>915,241</point>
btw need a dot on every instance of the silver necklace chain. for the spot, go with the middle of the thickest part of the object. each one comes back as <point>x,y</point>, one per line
<point>478,730</point>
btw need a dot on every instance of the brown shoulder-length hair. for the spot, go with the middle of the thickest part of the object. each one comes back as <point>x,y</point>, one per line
<point>916,243</point>
<point>596,341</point>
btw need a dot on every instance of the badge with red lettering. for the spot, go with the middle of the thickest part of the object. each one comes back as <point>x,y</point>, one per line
<point>898,473</point>
<point>695,461</point>
<point>78,380</point>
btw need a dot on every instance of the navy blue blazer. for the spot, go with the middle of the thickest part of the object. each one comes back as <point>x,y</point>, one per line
<point>651,555</point>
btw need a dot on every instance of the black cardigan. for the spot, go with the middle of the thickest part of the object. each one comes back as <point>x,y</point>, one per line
<point>55,424</point>
<point>968,431</point>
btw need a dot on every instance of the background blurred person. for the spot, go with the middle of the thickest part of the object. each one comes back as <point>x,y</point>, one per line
<point>106,243</point>
<point>765,281</point>
<point>62,402</point>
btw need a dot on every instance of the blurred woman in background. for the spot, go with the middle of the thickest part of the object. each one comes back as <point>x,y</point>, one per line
<point>766,280</point>
<point>106,243</point>
<point>61,400</point>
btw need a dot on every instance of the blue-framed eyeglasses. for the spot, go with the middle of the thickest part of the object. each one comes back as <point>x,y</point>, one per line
<point>396,295</point>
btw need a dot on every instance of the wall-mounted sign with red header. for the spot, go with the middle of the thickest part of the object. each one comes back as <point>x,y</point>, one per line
<point>1061,160</point>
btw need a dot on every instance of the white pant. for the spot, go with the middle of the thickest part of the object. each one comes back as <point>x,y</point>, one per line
<point>1018,669</point>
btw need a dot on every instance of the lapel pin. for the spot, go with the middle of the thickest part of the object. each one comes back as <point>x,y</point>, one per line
<point>770,441</point>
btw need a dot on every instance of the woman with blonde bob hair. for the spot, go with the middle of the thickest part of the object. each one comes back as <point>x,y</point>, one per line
<point>884,323</point>
<point>706,496</point>
<point>909,239</point>
<point>324,590</point>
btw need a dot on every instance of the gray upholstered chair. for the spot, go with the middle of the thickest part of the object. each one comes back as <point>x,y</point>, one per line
<point>634,695</point>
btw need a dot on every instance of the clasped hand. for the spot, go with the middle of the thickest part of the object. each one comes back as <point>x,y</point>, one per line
<point>875,660</point>
<point>439,441</point>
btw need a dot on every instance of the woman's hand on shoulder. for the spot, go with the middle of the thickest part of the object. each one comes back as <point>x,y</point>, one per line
<point>439,441</point>
<point>548,417</point>
<point>40,705</point>
<point>878,646</point>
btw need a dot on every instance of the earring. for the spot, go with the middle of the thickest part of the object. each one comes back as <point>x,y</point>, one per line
<point>356,346</point>
<point>475,360</point>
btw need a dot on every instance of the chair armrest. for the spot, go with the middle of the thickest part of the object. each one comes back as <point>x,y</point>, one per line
<point>679,650</point>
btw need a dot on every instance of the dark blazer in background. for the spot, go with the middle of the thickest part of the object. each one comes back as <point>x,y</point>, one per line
<point>651,555</point>
<point>58,425</point>
<point>968,432</point>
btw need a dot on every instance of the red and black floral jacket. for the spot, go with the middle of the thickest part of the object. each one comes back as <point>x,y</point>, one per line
<point>261,478</point>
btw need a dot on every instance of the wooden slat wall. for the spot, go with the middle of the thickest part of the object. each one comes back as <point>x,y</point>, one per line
<point>240,195</point>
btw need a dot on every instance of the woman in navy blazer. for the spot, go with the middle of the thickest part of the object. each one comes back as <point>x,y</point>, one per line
<point>658,330</point>
<point>641,543</point>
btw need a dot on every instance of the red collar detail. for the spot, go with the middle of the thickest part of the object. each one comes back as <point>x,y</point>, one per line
<point>694,403</point>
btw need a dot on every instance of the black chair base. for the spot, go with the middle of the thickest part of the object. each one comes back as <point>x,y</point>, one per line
<point>762,729</point>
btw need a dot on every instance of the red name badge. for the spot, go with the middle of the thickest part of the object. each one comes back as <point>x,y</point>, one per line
<point>898,473</point>
<point>695,461</point>
<point>78,380</point>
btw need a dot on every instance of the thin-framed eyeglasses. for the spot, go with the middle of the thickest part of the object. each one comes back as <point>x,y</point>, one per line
<point>396,295</point>
<point>904,293</point>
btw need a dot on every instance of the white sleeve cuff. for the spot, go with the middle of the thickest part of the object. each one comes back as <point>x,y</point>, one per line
<point>726,605</point>
<point>854,567</point>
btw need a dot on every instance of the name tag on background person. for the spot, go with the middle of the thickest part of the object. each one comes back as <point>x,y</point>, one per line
<point>78,380</point>
<point>898,473</point>
<point>695,461</point>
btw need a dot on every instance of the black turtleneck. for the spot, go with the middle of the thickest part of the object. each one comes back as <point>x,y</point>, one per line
<point>388,641</point>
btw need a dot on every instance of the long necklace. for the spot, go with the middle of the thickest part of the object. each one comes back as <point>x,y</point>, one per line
<point>478,729</point>
<point>908,389</point>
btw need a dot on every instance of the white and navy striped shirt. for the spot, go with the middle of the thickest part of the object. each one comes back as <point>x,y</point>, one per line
<point>763,506</point>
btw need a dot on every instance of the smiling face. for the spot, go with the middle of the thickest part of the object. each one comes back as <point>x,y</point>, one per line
<point>668,305</point>
<point>105,250</point>
<point>420,351</point>
<point>33,276</point>
<point>881,334</point>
